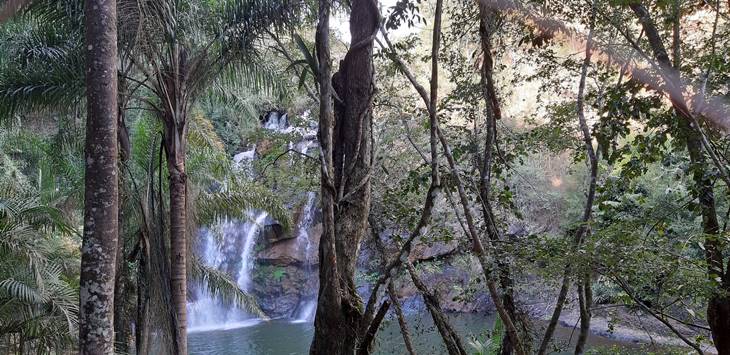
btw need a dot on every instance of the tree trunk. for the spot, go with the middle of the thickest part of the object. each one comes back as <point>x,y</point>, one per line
<point>347,159</point>
<point>141,328</point>
<point>718,307</point>
<point>448,334</point>
<point>401,319</point>
<point>96,318</point>
<point>178,237</point>
<point>488,19</point>
<point>121,321</point>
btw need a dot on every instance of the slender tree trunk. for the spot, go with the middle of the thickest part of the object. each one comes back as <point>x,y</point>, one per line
<point>368,339</point>
<point>325,323</point>
<point>448,334</point>
<point>142,325</point>
<point>584,230</point>
<point>718,307</point>
<point>585,300</point>
<point>178,238</point>
<point>121,319</point>
<point>96,319</point>
<point>488,18</point>
<point>346,136</point>
<point>585,292</point>
<point>401,319</point>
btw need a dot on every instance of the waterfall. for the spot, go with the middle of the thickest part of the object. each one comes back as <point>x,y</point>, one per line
<point>206,312</point>
<point>308,304</point>
<point>229,246</point>
<point>244,276</point>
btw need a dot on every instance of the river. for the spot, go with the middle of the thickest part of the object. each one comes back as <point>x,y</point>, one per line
<point>285,337</point>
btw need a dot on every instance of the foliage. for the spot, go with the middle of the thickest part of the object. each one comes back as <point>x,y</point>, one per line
<point>38,280</point>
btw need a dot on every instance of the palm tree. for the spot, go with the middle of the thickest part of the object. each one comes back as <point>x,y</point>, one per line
<point>38,299</point>
<point>183,58</point>
<point>208,166</point>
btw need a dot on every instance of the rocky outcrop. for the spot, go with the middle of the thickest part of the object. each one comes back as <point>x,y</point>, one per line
<point>279,289</point>
<point>286,261</point>
<point>292,251</point>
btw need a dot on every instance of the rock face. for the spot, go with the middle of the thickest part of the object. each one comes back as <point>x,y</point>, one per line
<point>286,278</point>
<point>285,274</point>
<point>285,263</point>
<point>290,251</point>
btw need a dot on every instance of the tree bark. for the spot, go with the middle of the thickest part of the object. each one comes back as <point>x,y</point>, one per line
<point>346,136</point>
<point>488,18</point>
<point>718,307</point>
<point>178,236</point>
<point>448,334</point>
<point>401,319</point>
<point>96,318</point>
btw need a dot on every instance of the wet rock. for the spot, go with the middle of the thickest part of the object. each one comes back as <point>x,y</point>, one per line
<point>273,232</point>
<point>282,253</point>
<point>278,289</point>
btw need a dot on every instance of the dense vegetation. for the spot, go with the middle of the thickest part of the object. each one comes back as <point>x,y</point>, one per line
<point>575,152</point>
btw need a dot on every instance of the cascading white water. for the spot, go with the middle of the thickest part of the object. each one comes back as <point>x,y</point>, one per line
<point>307,306</point>
<point>229,245</point>
<point>244,277</point>
<point>206,312</point>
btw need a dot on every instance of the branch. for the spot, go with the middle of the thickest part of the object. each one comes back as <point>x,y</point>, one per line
<point>290,150</point>
<point>674,330</point>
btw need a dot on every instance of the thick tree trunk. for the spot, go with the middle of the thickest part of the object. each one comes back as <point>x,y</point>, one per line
<point>346,163</point>
<point>96,319</point>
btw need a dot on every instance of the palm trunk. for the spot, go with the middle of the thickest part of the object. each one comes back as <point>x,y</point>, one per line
<point>143,275</point>
<point>121,319</point>
<point>96,318</point>
<point>178,249</point>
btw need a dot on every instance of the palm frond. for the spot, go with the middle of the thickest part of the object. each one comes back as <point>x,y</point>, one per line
<point>234,200</point>
<point>221,286</point>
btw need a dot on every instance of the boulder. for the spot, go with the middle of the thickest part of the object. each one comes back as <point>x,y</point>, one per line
<point>282,253</point>
<point>433,250</point>
<point>273,232</point>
